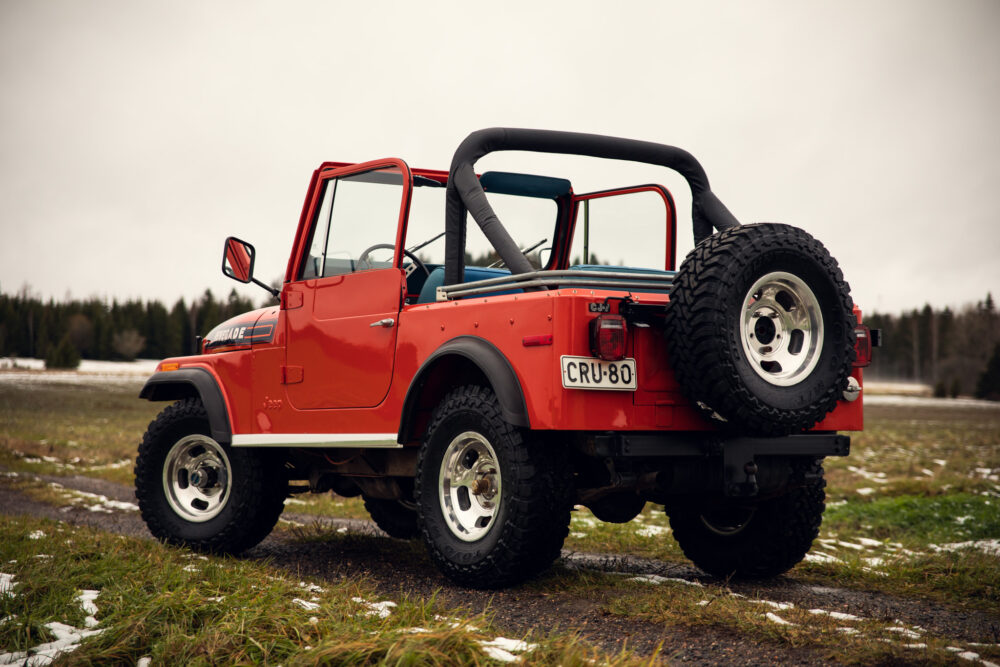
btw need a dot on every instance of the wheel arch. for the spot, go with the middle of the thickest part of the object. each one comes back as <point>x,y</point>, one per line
<point>192,383</point>
<point>461,360</point>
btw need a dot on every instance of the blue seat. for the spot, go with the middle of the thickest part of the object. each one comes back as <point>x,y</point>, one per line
<point>428,293</point>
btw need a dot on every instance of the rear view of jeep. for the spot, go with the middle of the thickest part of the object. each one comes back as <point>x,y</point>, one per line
<point>475,382</point>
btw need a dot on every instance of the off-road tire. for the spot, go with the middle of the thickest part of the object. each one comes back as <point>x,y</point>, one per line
<point>393,517</point>
<point>777,535</point>
<point>533,508</point>
<point>705,326</point>
<point>254,503</point>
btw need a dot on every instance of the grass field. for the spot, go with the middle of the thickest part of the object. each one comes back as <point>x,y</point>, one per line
<point>911,513</point>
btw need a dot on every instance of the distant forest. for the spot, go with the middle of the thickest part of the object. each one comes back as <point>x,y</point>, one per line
<point>955,352</point>
<point>63,333</point>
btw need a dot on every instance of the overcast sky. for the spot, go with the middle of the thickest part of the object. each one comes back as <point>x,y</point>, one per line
<point>135,136</point>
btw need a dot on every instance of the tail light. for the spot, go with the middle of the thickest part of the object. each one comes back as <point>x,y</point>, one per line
<point>864,340</point>
<point>607,337</point>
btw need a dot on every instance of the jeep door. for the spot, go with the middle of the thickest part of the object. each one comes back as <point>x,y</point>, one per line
<point>342,310</point>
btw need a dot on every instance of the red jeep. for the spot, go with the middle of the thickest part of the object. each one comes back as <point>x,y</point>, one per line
<point>475,405</point>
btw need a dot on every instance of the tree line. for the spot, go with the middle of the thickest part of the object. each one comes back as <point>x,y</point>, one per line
<point>957,352</point>
<point>63,333</point>
<point>953,351</point>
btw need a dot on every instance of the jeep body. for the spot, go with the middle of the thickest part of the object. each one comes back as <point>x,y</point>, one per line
<point>383,334</point>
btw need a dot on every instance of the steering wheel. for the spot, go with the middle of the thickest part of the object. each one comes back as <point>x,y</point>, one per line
<point>363,261</point>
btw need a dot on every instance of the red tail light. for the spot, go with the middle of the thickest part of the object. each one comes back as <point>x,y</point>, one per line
<point>607,337</point>
<point>865,339</point>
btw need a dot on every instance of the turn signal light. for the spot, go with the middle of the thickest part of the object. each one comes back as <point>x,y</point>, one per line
<point>607,337</point>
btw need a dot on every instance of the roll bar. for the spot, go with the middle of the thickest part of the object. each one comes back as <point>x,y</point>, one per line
<point>465,193</point>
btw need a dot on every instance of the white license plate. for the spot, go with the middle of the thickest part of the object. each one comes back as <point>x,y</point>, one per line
<point>593,373</point>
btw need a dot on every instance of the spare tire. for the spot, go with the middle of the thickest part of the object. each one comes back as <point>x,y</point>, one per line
<point>760,329</point>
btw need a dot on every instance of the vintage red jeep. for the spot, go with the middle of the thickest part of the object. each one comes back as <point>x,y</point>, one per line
<point>475,405</point>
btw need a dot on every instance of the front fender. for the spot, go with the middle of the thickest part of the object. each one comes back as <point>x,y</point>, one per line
<point>188,382</point>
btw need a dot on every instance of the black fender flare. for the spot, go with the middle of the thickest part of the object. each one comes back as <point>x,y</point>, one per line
<point>493,365</point>
<point>188,382</point>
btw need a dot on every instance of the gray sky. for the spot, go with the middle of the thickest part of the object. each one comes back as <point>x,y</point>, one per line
<point>135,136</point>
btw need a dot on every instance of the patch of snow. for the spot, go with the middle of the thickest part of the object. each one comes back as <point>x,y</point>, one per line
<point>820,557</point>
<point>295,501</point>
<point>921,402</point>
<point>865,491</point>
<point>849,631</point>
<point>305,604</point>
<point>851,545</point>
<point>380,609</point>
<point>915,646</point>
<point>503,649</point>
<point>657,579</point>
<point>86,599</point>
<point>774,618</point>
<point>6,585</point>
<point>312,588</point>
<point>191,568</point>
<point>653,531</point>
<point>869,542</point>
<point>929,473</point>
<point>36,535</point>
<point>906,632</point>
<point>144,662</point>
<point>989,547</point>
<point>838,615</point>
<point>703,603</point>
<point>780,606</point>
<point>578,535</point>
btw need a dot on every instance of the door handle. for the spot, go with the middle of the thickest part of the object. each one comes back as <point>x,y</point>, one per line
<point>386,323</point>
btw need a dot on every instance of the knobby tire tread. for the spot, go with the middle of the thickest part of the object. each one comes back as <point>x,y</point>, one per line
<point>257,498</point>
<point>703,351</point>
<point>538,507</point>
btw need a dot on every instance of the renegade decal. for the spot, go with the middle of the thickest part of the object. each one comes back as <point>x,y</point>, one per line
<point>238,336</point>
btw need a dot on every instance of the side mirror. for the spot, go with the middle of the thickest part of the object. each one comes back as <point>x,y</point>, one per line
<point>237,260</point>
<point>237,263</point>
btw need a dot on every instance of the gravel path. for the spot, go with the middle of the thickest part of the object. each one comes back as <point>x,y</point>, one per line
<point>530,607</point>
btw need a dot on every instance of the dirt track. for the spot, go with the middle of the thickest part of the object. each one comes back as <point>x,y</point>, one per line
<point>518,610</point>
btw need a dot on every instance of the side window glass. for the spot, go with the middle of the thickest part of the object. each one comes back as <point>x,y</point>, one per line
<point>355,225</point>
<point>607,228</point>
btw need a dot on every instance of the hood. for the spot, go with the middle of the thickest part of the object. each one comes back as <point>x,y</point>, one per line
<point>242,331</point>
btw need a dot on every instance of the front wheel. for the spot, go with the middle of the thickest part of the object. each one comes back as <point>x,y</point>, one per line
<point>494,503</point>
<point>758,540</point>
<point>194,491</point>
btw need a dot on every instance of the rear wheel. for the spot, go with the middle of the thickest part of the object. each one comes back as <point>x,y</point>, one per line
<point>760,328</point>
<point>494,503</point>
<point>397,518</point>
<point>196,492</point>
<point>752,540</point>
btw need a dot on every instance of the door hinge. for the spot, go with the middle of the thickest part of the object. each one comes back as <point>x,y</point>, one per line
<point>291,374</point>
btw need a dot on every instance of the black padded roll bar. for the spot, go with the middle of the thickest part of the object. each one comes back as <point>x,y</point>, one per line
<point>465,194</point>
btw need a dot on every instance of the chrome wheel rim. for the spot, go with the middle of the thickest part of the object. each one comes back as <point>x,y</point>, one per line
<point>781,329</point>
<point>470,486</point>
<point>197,478</point>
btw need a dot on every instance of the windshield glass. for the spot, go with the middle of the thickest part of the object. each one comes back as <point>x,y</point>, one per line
<point>530,221</point>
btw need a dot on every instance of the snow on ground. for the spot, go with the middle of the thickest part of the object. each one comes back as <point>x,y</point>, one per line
<point>67,637</point>
<point>21,371</point>
<point>925,402</point>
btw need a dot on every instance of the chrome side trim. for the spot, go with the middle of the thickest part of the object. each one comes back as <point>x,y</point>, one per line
<point>366,440</point>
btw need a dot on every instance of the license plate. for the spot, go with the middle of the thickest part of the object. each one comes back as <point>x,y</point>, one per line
<point>593,373</point>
